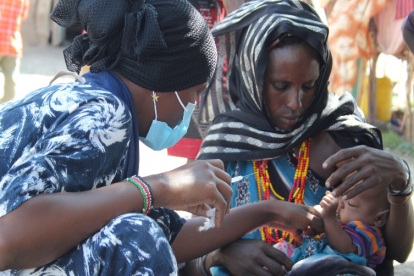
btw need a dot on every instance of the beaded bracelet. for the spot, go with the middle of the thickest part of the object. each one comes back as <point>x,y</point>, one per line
<point>408,188</point>
<point>151,193</point>
<point>146,192</point>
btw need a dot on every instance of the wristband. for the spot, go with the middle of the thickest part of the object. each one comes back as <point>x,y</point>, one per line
<point>151,193</point>
<point>146,192</point>
<point>408,188</point>
<point>407,198</point>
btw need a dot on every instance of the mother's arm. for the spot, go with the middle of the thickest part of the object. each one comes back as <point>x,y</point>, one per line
<point>376,167</point>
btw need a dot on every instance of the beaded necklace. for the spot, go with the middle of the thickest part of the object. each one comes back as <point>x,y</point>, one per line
<point>296,195</point>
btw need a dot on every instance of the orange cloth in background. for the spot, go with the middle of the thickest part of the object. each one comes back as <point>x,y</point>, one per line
<point>12,13</point>
<point>349,39</point>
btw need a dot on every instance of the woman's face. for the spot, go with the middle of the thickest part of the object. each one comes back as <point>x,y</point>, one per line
<point>290,84</point>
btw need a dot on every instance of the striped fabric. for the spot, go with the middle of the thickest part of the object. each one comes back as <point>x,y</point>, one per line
<point>403,8</point>
<point>368,240</point>
<point>241,130</point>
<point>12,13</point>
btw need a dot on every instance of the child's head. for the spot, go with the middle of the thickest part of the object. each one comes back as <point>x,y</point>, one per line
<point>370,207</point>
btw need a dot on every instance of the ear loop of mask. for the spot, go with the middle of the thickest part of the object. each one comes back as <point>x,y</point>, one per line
<point>155,106</point>
<point>179,100</point>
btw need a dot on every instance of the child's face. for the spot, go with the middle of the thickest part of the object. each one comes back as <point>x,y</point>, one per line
<point>362,208</point>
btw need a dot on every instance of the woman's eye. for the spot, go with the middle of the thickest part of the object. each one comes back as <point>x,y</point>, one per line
<point>350,204</point>
<point>308,87</point>
<point>280,87</point>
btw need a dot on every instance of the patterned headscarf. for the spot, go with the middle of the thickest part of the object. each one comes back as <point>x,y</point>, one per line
<point>245,133</point>
<point>161,45</point>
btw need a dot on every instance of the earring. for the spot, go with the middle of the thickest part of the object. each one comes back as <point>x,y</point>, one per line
<point>154,96</point>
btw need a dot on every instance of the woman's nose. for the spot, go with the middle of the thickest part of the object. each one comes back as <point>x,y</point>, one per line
<point>294,100</point>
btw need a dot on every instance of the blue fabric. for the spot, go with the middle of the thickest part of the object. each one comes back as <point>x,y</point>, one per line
<point>313,192</point>
<point>113,251</point>
<point>327,265</point>
<point>245,191</point>
<point>74,137</point>
<point>111,82</point>
<point>315,248</point>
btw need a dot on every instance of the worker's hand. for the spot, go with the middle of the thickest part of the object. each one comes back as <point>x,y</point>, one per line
<point>193,187</point>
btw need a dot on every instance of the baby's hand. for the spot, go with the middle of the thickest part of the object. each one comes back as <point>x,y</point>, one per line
<point>329,204</point>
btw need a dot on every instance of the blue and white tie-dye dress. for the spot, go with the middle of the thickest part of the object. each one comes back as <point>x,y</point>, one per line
<point>74,137</point>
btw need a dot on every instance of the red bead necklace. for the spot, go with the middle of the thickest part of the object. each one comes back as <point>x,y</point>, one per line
<point>296,194</point>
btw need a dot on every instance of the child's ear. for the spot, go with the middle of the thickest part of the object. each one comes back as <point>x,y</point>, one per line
<point>381,218</point>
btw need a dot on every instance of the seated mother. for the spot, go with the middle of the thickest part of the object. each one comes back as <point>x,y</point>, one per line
<point>289,137</point>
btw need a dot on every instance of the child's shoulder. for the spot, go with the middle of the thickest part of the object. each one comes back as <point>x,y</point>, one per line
<point>370,231</point>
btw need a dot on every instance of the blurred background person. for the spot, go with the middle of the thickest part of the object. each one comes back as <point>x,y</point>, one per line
<point>12,13</point>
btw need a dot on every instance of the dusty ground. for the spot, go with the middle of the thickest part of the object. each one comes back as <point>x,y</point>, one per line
<point>40,64</point>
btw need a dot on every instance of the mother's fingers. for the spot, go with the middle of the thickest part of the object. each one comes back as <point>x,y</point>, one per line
<point>348,167</point>
<point>280,257</point>
<point>343,155</point>
<point>358,182</point>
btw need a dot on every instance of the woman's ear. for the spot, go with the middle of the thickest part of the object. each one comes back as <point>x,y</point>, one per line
<point>381,218</point>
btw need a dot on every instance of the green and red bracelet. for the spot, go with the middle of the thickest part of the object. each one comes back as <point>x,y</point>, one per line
<point>146,192</point>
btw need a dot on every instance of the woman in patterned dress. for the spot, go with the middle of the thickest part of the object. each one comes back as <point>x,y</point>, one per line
<point>278,66</point>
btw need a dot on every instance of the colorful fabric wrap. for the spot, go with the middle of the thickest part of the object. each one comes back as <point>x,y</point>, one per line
<point>368,240</point>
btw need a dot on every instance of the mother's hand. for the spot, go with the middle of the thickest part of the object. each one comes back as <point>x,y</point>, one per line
<point>248,257</point>
<point>371,167</point>
<point>192,186</point>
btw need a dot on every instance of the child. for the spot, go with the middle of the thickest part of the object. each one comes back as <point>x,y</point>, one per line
<point>352,229</point>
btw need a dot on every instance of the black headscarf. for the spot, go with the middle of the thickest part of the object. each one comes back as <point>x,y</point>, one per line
<point>245,133</point>
<point>161,45</point>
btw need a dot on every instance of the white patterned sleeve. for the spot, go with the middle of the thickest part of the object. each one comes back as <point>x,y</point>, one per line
<point>78,148</point>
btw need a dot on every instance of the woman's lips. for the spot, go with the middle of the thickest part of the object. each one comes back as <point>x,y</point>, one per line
<point>290,120</point>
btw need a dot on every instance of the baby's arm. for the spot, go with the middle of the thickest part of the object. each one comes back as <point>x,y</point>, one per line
<point>338,239</point>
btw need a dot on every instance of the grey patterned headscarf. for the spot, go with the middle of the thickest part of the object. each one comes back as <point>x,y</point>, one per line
<point>245,133</point>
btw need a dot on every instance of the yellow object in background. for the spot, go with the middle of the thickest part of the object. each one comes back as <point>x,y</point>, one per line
<point>384,92</point>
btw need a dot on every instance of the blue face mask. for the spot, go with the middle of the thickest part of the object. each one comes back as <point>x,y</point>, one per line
<point>161,136</point>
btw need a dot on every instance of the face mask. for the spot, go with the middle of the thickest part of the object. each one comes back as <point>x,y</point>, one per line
<point>161,136</point>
